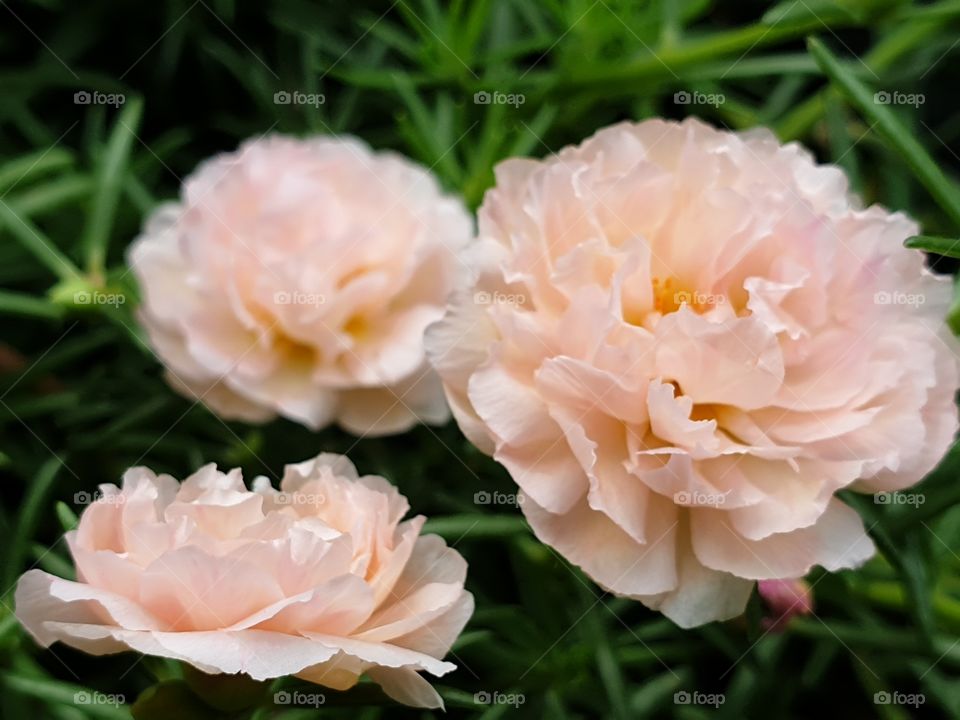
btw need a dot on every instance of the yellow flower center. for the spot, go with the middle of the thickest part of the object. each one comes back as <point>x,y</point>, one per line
<point>669,295</point>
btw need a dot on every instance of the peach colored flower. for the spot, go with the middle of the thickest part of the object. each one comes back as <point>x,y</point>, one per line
<point>320,580</point>
<point>296,277</point>
<point>681,342</point>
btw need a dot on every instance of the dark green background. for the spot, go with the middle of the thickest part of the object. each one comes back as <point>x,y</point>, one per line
<point>81,398</point>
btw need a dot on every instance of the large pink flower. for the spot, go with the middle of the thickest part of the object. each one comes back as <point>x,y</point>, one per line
<point>296,277</point>
<point>320,580</point>
<point>681,342</point>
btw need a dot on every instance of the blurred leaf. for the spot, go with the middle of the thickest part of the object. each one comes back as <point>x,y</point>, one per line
<point>25,169</point>
<point>40,246</point>
<point>111,169</point>
<point>65,694</point>
<point>171,699</point>
<point>28,517</point>
<point>463,527</point>
<point>67,517</point>
<point>29,306</point>
<point>948,247</point>
<point>902,140</point>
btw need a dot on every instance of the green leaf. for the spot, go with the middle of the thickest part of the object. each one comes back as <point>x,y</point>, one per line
<point>607,666</point>
<point>109,182</point>
<point>428,127</point>
<point>455,527</point>
<point>36,243</point>
<point>889,126</point>
<point>940,491</point>
<point>45,198</point>
<point>67,517</point>
<point>42,557</point>
<point>28,516</point>
<point>53,691</point>
<point>227,693</point>
<point>790,11</point>
<point>891,48</point>
<point>25,169</point>
<point>891,640</point>
<point>656,693</point>
<point>8,624</point>
<point>953,312</point>
<point>14,303</point>
<point>169,699</point>
<point>948,247</point>
<point>754,616</point>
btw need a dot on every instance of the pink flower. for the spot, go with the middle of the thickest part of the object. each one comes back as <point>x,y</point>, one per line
<point>320,580</point>
<point>785,599</point>
<point>681,342</point>
<point>296,278</point>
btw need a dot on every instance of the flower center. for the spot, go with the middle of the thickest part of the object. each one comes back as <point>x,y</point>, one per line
<point>357,327</point>
<point>295,352</point>
<point>669,295</point>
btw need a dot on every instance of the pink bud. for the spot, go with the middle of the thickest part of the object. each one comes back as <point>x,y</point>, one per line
<point>784,599</point>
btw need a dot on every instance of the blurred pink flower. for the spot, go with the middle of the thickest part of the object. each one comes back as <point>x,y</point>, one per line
<point>785,599</point>
<point>296,277</point>
<point>320,580</point>
<point>681,342</point>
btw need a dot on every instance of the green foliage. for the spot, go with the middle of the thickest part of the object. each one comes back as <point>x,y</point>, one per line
<point>82,398</point>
